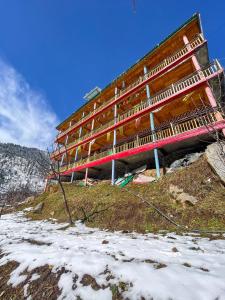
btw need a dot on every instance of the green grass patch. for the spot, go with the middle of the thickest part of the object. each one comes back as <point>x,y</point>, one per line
<point>127,212</point>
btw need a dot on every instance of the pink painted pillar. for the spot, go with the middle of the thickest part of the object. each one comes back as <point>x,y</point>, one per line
<point>210,96</point>
<point>213,103</point>
<point>186,42</point>
<point>208,90</point>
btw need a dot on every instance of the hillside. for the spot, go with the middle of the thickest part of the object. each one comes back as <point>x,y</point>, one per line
<point>47,260</point>
<point>20,174</point>
<point>125,211</point>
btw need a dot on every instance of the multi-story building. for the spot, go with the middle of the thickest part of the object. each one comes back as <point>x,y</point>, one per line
<point>170,99</point>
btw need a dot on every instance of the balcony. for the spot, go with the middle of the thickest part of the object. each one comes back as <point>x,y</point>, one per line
<point>159,99</point>
<point>153,73</point>
<point>183,128</point>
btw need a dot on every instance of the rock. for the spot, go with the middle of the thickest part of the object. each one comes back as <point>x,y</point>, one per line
<point>180,196</point>
<point>38,208</point>
<point>174,249</point>
<point>160,266</point>
<point>28,199</point>
<point>174,190</point>
<point>215,155</point>
<point>186,198</point>
<point>185,161</point>
<point>187,265</point>
<point>140,178</point>
<point>152,172</point>
<point>105,242</point>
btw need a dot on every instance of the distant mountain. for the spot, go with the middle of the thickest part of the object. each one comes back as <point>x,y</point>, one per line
<point>20,173</point>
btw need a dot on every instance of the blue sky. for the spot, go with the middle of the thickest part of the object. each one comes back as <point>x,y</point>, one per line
<point>62,49</point>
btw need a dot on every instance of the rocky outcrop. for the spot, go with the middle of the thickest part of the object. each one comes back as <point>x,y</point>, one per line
<point>215,155</point>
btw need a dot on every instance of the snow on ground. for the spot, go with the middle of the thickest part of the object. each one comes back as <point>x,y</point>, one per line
<point>149,264</point>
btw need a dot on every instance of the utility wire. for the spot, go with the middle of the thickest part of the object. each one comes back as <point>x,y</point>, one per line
<point>154,207</point>
<point>169,219</point>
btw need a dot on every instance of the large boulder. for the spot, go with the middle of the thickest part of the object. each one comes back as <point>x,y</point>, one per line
<point>215,155</point>
<point>29,199</point>
<point>38,208</point>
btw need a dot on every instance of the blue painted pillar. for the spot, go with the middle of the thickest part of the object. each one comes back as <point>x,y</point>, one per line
<point>152,126</point>
<point>114,140</point>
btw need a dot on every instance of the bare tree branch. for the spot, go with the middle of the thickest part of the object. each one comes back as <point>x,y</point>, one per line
<point>95,211</point>
<point>52,169</point>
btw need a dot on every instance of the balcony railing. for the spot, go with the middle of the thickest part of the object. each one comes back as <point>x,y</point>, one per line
<point>195,43</point>
<point>206,119</point>
<point>172,90</point>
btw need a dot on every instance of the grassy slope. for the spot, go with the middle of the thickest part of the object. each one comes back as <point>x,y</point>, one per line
<point>126,212</point>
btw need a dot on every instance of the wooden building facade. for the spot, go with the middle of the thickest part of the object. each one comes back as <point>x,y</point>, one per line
<point>168,100</point>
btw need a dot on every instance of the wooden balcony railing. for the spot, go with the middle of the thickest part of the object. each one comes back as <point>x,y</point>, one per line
<point>196,122</point>
<point>172,90</point>
<point>195,43</point>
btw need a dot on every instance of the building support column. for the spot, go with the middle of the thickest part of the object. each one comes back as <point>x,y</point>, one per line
<point>197,67</point>
<point>152,126</point>
<point>114,139</point>
<point>207,89</point>
<point>65,153</point>
<point>89,148</point>
<point>76,152</point>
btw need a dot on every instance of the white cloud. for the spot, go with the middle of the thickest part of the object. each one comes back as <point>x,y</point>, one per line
<point>25,117</point>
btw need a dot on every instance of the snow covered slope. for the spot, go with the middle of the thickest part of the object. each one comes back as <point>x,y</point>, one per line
<point>95,264</point>
<point>19,171</point>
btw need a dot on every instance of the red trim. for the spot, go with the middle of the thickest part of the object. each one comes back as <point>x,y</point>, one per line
<point>170,140</point>
<point>139,114</point>
<point>189,53</point>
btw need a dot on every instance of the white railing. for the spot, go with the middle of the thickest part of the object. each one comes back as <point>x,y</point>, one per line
<point>203,120</point>
<point>173,89</point>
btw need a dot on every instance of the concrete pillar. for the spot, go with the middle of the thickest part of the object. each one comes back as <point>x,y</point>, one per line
<point>152,126</point>
<point>114,139</point>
